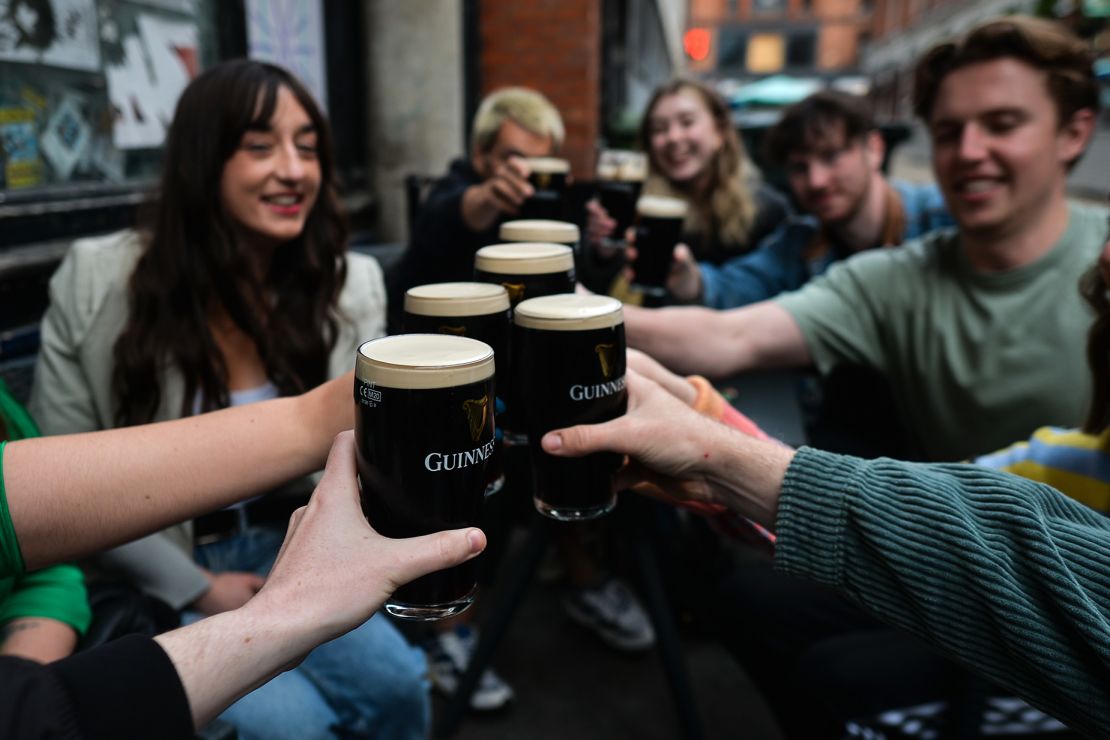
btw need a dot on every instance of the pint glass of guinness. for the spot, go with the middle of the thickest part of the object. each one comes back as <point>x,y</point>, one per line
<point>572,350</point>
<point>620,178</point>
<point>541,230</point>
<point>658,230</point>
<point>549,181</point>
<point>423,433</point>
<point>476,310</point>
<point>526,270</point>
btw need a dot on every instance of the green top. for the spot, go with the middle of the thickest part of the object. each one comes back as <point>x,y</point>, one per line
<point>975,360</point>
<point>56,592</point>
<point>1005,575</point>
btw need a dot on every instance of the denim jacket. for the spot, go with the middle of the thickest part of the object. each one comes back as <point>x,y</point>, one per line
<point>779,263</point>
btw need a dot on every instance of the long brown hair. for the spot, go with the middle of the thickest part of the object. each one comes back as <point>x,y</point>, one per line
<point>731,209</point>
<point>192,261</point>
<point>1094,289</point>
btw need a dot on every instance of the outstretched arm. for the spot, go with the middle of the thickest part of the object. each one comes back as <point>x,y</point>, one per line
<point>333,572</point>
<point>690,457</point>
<point>695,340</point>
<point>1004,574</point>
<point>75,494</point>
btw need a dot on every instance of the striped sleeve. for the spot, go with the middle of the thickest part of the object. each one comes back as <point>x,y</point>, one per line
<point>1072,462</point>
<point>1007,576</point>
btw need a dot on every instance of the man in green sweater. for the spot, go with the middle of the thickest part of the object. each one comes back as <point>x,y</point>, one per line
<point>976,329</point>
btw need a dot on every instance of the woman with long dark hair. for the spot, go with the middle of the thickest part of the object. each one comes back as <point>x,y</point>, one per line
<point>237,288</point>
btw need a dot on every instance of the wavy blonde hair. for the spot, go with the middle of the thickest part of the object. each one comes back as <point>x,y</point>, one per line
<point>730,211</point>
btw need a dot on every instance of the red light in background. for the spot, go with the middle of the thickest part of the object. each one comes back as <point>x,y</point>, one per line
<point>696,43</point>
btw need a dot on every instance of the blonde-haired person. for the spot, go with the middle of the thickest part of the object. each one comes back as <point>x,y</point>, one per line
<point>463,208</point>
<point>695,154</point>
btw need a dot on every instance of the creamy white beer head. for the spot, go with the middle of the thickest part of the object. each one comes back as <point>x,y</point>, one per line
<point>569,312</point>
<point>456,299</point>
<point>539,230</point>
<point>633,167</point>
<point>421,361</point>
<point>547,165</point>
<point>660,206</point>
<point>524,258</point>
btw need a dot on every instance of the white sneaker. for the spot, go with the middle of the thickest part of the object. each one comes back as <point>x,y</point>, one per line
<point>449,655</point>
<point>614,613</point>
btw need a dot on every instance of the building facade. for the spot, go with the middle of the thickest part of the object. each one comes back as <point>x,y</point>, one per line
<point>753,38</point>
<point>901,30</point>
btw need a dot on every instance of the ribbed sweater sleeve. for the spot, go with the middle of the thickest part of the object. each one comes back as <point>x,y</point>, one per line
<point>1008,576</point>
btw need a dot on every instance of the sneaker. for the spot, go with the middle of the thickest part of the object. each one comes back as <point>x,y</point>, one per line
<point>449,655</point>
<point>613,612</point>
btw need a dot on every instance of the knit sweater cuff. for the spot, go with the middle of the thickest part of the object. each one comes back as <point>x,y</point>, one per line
<point>813,513</point>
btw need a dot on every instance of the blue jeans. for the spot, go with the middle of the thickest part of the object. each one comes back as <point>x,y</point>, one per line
<point>369,682</point>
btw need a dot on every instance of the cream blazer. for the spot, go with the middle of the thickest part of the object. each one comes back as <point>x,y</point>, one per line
<point>72,383</point>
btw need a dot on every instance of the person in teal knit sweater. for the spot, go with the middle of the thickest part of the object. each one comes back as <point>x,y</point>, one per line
<point>1005,574</point>
<point>42,613</point>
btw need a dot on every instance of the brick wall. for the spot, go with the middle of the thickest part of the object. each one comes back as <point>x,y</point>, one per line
<point>552,46</point>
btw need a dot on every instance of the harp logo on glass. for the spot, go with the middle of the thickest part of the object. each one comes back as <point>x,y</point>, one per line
<point>516,291</point>
<point>477,411</point>
<point>604,354</point>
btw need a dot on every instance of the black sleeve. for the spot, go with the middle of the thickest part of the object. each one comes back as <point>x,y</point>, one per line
<point>442,247</point>
<point>124,689</point>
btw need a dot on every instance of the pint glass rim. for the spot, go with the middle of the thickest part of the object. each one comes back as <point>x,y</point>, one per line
<point>540,230</point>
<point>548,165</point>
<point>524,258</point>
<point>465,298</point>
<point>424,361</point>
<point>569,312</point>
<point>661,206</point>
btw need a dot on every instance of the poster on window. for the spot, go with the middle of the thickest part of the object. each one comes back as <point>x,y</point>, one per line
<point>59,33</point>
<point>290,33</point>
<point>158,62</point>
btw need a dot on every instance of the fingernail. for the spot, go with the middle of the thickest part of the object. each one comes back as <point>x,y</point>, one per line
<point>474,538</point>
<point>553,441</point>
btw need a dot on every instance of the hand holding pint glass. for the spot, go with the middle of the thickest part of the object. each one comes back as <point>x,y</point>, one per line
<point>620,178</point>
<point>659,222</point>
<point>423,433</point>
<point>571,348</point>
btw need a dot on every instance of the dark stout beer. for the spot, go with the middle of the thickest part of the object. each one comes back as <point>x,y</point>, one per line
<point>548,176</point>
<point>571,349</point>
<point>658,229</point>
<point>424,432</point>
<point>525,270</point>
<point>476,310</point>
<point>620,178</point>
